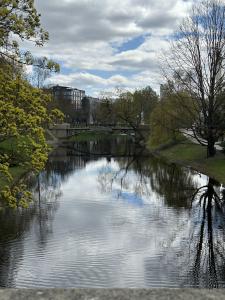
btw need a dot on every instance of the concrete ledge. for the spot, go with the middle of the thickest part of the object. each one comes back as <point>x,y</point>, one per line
<point>111,294</point>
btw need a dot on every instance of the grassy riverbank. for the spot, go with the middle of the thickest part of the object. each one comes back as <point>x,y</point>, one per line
<point>189,154</point>
<point>92,136</point>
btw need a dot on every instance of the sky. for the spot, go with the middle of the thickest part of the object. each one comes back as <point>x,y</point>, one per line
<point>102,45</point>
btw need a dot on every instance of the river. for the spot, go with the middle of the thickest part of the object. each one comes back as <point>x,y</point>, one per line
<point>106,214</point>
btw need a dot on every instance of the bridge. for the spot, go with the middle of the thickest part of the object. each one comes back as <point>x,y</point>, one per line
<point>65,131</point>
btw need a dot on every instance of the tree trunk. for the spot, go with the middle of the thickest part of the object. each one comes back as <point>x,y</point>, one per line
<point>211,151</point>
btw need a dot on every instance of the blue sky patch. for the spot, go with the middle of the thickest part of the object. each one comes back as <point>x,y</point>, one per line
<point>132,44</point>
<point>108,74</point>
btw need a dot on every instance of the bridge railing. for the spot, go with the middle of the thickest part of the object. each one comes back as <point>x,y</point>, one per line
<point>117,125</point>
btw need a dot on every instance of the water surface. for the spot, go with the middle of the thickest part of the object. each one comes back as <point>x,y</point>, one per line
<point>107,215</point>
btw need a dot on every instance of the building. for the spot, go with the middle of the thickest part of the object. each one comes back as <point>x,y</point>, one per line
<point>89,109</point>
<point>76,106</point>
<point>69,101</point>
<point>72,95</point>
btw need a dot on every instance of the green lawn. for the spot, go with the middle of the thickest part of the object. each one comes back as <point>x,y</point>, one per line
<point>216,167</point>
<point>194,155</point>
<point>91,136</point>
<point>185,151</point>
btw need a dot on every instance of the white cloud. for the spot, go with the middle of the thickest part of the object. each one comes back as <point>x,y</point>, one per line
<point>96,85</point>
<point>85,79</point>
<point>84,35</point>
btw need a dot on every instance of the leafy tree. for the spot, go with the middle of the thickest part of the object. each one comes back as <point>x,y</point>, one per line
<point>197,61</point>
<point>23,108</point>
<point>134,109</point>
<point>19,19</point>
<point>105,112</point>
<point>169,117</point>
<point>145,101</point>
<point>23,113</point>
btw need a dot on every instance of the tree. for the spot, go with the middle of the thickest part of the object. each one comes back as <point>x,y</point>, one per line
<point>169,117</point>
<point>134,109</point>
<point>23,114</point>
<point>145,101</point>
<point>42,69</point>
<point>23,108</point>
<point>105,111</point>
<point>196,65</point>
<point>19,19</point>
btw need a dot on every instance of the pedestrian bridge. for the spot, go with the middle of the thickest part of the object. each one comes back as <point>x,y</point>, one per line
<point>65,131</point>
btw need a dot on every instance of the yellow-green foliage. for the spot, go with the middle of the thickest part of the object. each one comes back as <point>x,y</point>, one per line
<point>20,18</point>
<point>16,196</point>
<point>4,168</point>
<point>170,115</point>
<point>23,108</point>
<point>23,113</point>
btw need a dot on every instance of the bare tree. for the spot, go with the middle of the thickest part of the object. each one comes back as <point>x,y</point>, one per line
<point>196,64</point>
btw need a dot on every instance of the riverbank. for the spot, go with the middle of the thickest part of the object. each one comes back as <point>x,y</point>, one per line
<point>186,153</point>
<point>92,136</point>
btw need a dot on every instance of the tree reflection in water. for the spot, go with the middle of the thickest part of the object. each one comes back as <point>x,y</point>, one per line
<point>151,175</point>
<point>47,192</point>
<point>208,236</point>
<point>200,233</point>
<point>16,223</point>
<point>205,263</point>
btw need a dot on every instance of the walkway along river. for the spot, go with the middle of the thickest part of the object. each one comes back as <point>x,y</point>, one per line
<point>107,215</point>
